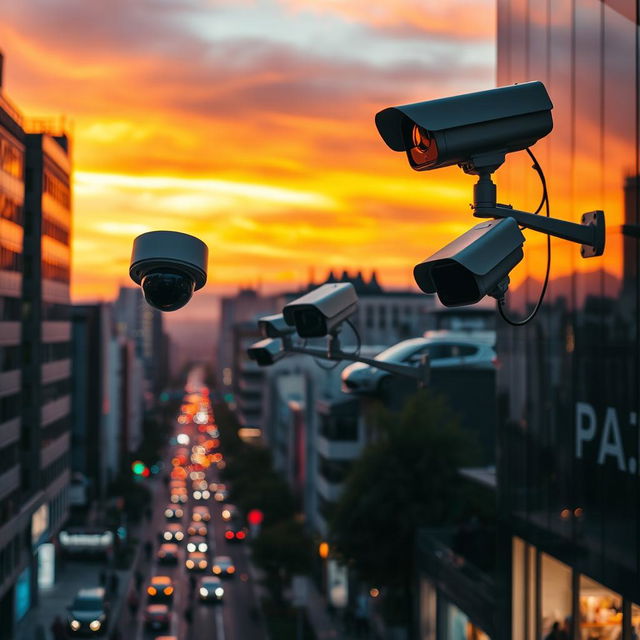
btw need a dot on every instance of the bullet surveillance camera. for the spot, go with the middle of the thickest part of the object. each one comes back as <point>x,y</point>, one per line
<point>266,352</point>
<point>474,265</point>
<point>320,311</point>
<point>274,326</point>
<point>169,266</point>
<point>471,130</point>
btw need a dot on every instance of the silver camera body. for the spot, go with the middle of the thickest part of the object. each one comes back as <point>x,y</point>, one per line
<point>319,312</point>
<point>469,129</point>
<point>169,266</point>
<point>474,265</point>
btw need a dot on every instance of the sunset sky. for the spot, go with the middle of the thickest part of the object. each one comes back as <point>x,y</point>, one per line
<point>249,124</point>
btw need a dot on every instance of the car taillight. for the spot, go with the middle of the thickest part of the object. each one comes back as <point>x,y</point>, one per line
<point>231,569</point>
<point>228,535</point>
<point>240,535</point>
<point>216,569</point>
<point>168,591</point>
<point>152,591</point>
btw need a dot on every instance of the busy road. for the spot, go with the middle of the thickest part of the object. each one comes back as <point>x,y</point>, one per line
<point>199,584</point>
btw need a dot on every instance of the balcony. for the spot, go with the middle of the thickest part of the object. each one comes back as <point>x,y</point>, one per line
<point>10,432</point>
<point>56,331</point>
<point>10,382</point>
<point>328,490</point>
<point>9,481</point>
<point>10,332</point>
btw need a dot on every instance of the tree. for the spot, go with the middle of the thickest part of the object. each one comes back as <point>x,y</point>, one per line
<point>407,478</point>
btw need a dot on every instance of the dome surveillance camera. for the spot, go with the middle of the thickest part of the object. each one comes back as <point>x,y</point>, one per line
<point>169,266</point>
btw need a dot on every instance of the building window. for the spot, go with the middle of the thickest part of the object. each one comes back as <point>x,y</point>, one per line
<point>57,189</point>
<point>334,471</point>
<point>9,407</point>
<point>556,594</point>
<point>457,625</point>
<point>10,210</point>
<point>55,351</point>
<point>11,159</point>
<point>10,358</point>
<point>9,309</point>
<point>10,260</point>
<point>343,428</point>
<point>635,621</point>
<point>382,318</point>
<point>55,230</point>
<point>600,611</point>
<point>52,311</point>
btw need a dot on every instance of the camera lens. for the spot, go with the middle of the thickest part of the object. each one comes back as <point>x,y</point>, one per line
<point>310,324</point>
<point>424,151</point>
<point>167,290</point>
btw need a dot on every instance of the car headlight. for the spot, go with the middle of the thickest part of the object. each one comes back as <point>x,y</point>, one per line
<point>95,625</point>
<point>203,592</point>
<point>179,535</point>
<point>74,624</point>
<point>219,591</point>
<point>202,547</point>
<point>191,547</point>
<point>189,564</point>
<point>167,535</point>
<point>216,568</point>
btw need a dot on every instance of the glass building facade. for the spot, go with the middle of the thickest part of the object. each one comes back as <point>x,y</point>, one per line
<point>569,384</point>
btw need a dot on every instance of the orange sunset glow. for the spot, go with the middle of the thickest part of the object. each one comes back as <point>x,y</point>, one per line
<point>249,124</point>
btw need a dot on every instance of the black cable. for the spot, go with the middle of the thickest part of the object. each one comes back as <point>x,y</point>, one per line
<point>356,353</point>
<point>545,201</point>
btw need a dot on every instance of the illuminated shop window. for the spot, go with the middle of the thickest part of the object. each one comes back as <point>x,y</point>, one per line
<point>600,611</point>
<point>635,621</point>
<point>459,627</point>
<point>556,594</point>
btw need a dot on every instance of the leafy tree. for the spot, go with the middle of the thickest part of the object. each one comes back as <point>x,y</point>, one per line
<point>282,550</point>
<point>405,479</point>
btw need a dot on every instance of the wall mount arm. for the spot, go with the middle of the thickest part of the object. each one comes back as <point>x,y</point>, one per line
<point>590,233</point>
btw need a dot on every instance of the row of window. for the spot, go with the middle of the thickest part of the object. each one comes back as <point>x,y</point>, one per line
<point>58,272</point>
<point>53,311</point>
<point>57,189</point>
<point>56,390</point>
<point>9,407</point>
<point>53,351</point>
<point>9,456</point>
<point>10,309</point>
<point>334,471</point>
<point>11,158</point>
<point>10,260</point>
<point>10,210</point>
<point>55,230</point>
<point>343,428</point>
<point>10,358</point>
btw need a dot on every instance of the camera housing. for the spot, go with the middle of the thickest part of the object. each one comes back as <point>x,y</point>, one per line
<point>274,326</point>
<point>319,312</point>
<point>474,265</point>
<point>266,352</point>
<point>169,266</point>
<point>471,129</point>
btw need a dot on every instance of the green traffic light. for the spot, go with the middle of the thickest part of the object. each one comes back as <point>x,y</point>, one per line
<point>138,467</point>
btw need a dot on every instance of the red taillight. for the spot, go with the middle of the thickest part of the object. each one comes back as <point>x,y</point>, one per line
<point>240,535</point>
<point>228,535</point>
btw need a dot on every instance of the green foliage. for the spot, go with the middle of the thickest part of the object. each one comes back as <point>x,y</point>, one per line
<point>405,479</point>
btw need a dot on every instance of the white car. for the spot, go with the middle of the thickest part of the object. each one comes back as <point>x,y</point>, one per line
<point>442,351</point>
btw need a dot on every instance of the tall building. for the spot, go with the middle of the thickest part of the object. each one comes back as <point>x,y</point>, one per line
<point>36,333</point>
<point>570,386</point>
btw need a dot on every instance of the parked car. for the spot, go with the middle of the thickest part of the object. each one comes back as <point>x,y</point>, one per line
<point>160,589</point>
<point>210,589</point>
<point>442,351</point>
<point>89,612</point>
<point>157,616</point>
<point>223,566</point>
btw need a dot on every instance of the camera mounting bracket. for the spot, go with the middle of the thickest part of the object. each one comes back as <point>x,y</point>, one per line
<point>590,233</point>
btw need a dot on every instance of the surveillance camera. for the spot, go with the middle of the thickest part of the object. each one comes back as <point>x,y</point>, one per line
<point>320,311</point>
<point>469,129</point>
<point>266,352</point>
<point>474,265</point>
<point>274,326</point>
<point>169,266</point>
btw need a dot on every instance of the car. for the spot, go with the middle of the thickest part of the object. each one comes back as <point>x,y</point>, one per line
<point>88,613</point>
<point>197,543</point>
<point>167,553</point>
<point>201,495</point>
<point>442,351</point>
<point>223,566</point>
<point>201,513</point>
<point>197,529</point>
<point>173,532</point>
<point>210,589</point>
<point>196,561</point>
<point>173,512</point>
<point>179,494</point>
<point>160,589</point>
<point>234,532</point>
<point>157,616</point>
<point>230,512</point>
